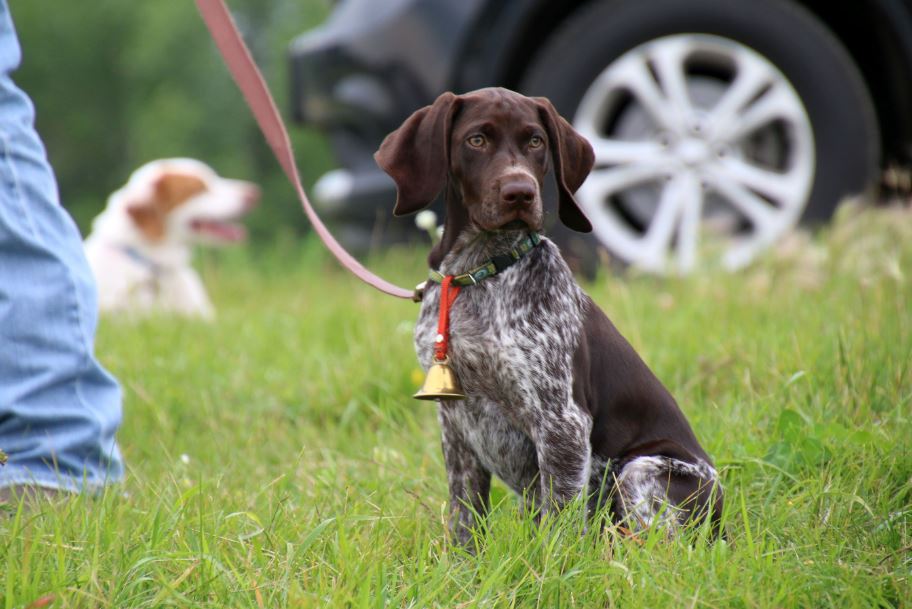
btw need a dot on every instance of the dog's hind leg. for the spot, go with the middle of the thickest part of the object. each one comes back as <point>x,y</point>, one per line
<point>663,492</point>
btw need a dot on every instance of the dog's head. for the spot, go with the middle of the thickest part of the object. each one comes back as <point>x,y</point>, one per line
<point>185,201</point>
<point>496,147</point>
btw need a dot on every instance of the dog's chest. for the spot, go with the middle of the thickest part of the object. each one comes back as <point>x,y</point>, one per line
<point>512,339</point>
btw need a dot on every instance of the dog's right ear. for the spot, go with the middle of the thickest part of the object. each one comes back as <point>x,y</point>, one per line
<point>416,155</point>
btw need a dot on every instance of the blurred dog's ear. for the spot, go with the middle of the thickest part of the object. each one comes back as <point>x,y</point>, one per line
<point>416,155</point>
<point>573,159</point>
<point>169,190</point>
<point>149,219</point>
<point>172,189</point>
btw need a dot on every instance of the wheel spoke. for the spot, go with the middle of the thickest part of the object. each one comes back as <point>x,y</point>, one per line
<point>689,227</point>
<point>760,213</point>
<point>681,192</point>
<point>769,183</point>
<point>668,60</point>
<point>750,80</point>
<point>604,182</point>
<point>773,104</point>
<point>618,152</point>
<point>634,75</point>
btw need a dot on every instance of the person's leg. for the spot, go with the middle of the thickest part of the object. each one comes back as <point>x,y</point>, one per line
<point>59,409</point>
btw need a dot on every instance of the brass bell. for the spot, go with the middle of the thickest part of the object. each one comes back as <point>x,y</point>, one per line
<point>440,384</point>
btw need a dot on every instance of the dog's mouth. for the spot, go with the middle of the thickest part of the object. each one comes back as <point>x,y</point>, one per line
<point>516,224</point>
<point>219,230</point>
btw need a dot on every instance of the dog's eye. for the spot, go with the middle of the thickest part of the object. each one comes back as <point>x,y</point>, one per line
<point>536,141</point>
<point>476,141</point>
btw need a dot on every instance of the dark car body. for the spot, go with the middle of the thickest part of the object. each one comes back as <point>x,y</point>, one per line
<point>359,75</point>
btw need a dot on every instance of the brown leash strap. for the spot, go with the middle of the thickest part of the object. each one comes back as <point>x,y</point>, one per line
<point>253,86</point>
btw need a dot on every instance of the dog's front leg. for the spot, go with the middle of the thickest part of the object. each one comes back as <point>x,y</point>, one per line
<point>564,452</point>
<point>469,482</point>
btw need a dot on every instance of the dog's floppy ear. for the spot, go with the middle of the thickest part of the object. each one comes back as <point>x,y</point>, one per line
<point>148,218</point>
<point>416,155</point>
<point>172,189</point>
<point>168,190</point>
<point>573,160</point>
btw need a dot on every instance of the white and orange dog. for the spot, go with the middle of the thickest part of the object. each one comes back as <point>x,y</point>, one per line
<point>140,247</point>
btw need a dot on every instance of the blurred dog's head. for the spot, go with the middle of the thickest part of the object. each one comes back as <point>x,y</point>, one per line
<point>184,201</point>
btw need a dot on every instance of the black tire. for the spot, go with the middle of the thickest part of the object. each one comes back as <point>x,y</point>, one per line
<point>846,134</point>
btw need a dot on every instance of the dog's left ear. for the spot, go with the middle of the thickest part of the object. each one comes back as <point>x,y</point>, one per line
<point>416,155</point>
<point>573,160</point>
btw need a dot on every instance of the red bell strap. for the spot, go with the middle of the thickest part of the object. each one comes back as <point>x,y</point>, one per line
<point>448,293</point>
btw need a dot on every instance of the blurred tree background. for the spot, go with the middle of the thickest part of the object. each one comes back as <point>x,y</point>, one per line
<point>117,84</point>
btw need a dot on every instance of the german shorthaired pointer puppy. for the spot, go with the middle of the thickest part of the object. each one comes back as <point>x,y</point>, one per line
<point>558,404</point>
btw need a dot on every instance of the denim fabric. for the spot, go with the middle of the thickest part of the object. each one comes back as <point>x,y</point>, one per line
<point>59,408</point>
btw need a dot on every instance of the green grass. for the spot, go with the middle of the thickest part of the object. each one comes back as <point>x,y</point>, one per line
<point>276,458</point>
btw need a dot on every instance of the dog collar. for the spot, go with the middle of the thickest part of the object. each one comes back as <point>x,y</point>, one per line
<point>136,256</point>
<point>496,264</point>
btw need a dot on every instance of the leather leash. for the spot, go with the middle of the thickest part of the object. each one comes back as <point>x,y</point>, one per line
<point>252,85</point>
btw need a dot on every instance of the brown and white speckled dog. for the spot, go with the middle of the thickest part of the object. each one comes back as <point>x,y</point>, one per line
<point>558,404</point>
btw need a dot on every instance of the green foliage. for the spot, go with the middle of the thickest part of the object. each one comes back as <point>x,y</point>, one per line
<point>117,84</point>
<point>276,459</point>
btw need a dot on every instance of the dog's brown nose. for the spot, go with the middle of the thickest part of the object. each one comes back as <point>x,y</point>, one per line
<point>518,192</point>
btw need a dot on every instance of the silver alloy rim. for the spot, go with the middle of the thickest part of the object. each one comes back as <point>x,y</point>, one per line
<point>704,154</point>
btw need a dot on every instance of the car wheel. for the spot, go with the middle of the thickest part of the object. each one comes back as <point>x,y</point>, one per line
<point>717,126</point>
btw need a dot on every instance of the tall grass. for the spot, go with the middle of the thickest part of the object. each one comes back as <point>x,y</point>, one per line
<point>276,459</point>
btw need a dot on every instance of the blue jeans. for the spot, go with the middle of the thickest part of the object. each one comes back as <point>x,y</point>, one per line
<point>59,408</point>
